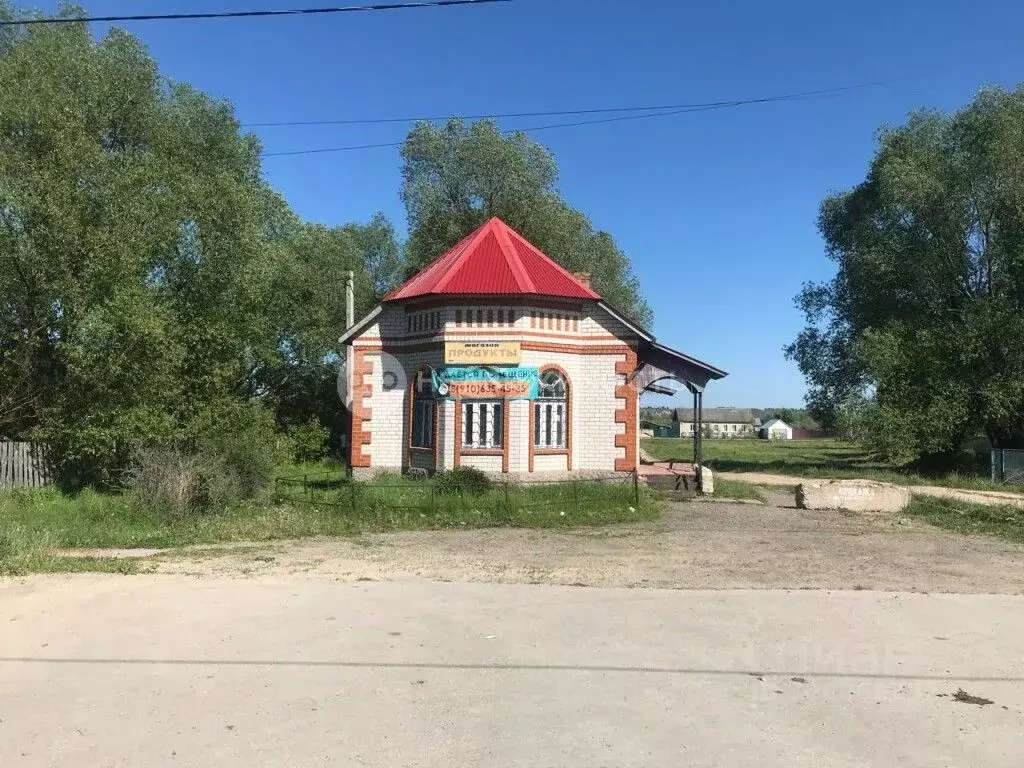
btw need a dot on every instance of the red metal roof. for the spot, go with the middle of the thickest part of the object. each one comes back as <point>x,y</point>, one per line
<point>494,259</point>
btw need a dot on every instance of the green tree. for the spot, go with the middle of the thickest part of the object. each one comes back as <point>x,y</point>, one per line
<point>307,310</point>
<point>457,176</point>
<point>152,286</point>
<point>925,316</point>
<point>131,237</point>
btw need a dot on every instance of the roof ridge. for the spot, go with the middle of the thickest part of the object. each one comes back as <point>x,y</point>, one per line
<point>457,248</point>
<point>565,272</point>
<point>456,264</point>
<point>512,259</point>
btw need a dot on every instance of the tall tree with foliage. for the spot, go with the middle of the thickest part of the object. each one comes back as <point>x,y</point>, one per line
<point>130,214</point>
<point>152,285</point>
<point>306,306</point>
<point>457,176</point>
<point>925,317</point>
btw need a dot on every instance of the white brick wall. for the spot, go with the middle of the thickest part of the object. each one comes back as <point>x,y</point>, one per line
<point>491,464</point>
<point>592,381</point>
<point>519,439</point>
<point>446,440</point>
<point>548,463</point>
<point>387,418</point>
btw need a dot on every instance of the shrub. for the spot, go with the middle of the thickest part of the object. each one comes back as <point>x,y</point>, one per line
<point>236,445</point>
<point>307,442</point>
<point>229,457</point>
<point>463,480</point>
<point>167,480</point>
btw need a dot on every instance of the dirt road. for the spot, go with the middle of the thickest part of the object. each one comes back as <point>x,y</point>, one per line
<point>694,546</point>
<point>957,494</point>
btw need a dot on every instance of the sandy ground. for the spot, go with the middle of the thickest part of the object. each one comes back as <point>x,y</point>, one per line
<point>161,671</point>
<point>694,546</point>
<point>957,494</point>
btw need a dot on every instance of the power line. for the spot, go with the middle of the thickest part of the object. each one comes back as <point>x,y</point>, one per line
<point>250,14</point>
<point>527,130</point>
<point>491,115</point>
<point>561,113</point>
<point>683,109</point>
<point>333,149</point>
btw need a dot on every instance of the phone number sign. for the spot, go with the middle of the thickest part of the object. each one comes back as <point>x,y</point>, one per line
<point>477,382</point>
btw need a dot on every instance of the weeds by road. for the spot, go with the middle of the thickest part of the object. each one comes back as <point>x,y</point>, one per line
<point>34,524</point>
<point>1003,521</point>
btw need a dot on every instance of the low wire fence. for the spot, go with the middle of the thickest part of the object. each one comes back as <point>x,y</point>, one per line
<point>389,499</point>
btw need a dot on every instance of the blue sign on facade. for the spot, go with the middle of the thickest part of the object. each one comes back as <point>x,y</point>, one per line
<point>456,381</point>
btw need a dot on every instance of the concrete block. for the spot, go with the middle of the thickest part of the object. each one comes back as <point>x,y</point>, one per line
<point>707,480</point>
<point>852,495</point>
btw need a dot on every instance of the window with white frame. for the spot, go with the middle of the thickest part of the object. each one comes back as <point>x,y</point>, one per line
<point>423,405</point>
<point>551,412</point>
<point>482,424</point>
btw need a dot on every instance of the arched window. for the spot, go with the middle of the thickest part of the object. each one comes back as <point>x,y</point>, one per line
<point>551,412</point>
<point>423,404</point>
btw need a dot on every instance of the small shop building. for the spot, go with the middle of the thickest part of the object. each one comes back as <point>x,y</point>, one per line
<point>495,357</point>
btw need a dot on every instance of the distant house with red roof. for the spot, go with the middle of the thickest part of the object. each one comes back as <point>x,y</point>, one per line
<point>496,357</point>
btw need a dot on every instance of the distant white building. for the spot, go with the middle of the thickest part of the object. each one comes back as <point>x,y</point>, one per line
<point>775,429</point>
<point>718,422</point>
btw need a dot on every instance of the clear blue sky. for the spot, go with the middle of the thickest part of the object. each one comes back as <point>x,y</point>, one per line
<point>717,210</point>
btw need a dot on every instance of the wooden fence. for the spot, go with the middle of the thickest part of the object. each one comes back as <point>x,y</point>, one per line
<point>23,465</point>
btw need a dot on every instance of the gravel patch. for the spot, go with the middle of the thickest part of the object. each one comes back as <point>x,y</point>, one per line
<point>695,545</point>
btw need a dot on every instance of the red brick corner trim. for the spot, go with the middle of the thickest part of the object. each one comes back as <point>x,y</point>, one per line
<point>626,415</point>
<point>361,414</point>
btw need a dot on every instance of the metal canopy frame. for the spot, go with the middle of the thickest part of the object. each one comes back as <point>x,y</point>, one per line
<point>698,431</point>
<point>658,363</point>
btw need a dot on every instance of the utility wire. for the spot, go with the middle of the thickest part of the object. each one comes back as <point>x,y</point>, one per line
<point>560,113</point>
<point>617,118</point>
<point>333,149</point>
<point>515,130</point>
<point>249,14</point>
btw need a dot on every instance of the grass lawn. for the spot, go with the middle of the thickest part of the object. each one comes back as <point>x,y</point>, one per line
<point>33,524</point>
<point>962,517</point>
<point>823,458</point>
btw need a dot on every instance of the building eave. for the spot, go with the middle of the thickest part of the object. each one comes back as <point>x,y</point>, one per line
<point>638,330</point>
<point>355,330</point>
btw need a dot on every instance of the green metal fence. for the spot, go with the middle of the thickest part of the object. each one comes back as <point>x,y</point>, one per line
<point>661,430</point>
<point>1008,466</point>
